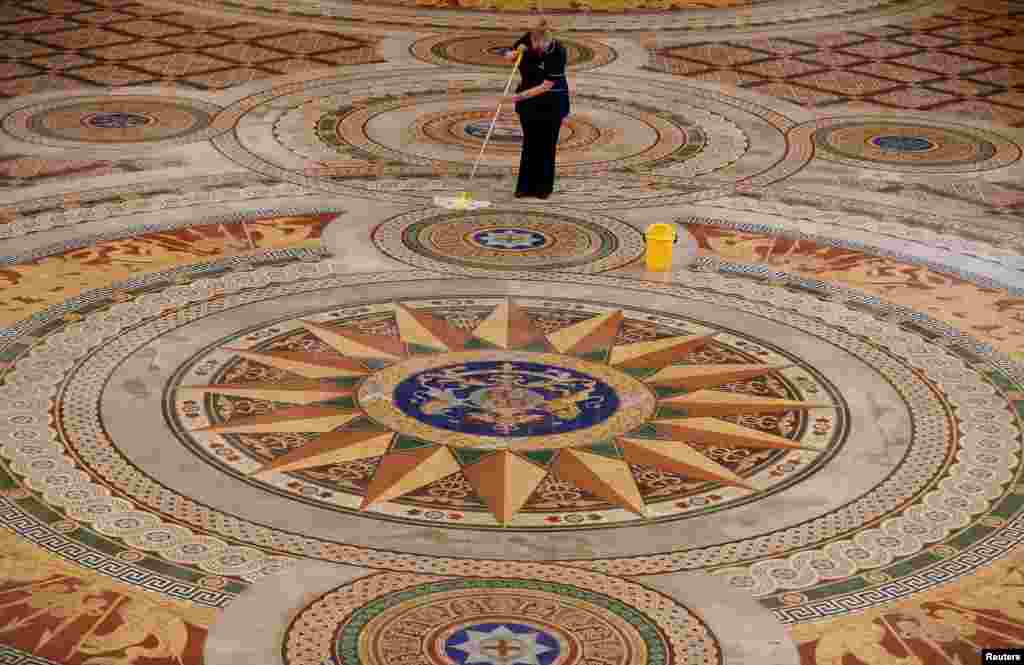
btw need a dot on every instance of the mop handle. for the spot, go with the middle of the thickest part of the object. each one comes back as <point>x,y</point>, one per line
<point>494,120</point>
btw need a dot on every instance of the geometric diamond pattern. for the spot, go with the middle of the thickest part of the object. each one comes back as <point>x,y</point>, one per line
<point>59,44</point>
<point>969,62</point>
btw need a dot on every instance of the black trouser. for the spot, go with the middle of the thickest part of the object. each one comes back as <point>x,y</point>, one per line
<point>540,142</point>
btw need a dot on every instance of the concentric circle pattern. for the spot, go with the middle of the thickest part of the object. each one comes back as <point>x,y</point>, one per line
<point>510,239</point>
<point>487,50</point>
<point>293,370</point>
<point>423,135</point>
<point>591,397</point>
<point>382,618</point>
<point>469,129</point>
<point>602,133</point>
<point>316,411</point>
<point>107,122</point>
<point>912,147</point>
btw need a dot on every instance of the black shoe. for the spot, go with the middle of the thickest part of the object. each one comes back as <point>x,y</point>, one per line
<point>522,195</point>
<point>543,196</point>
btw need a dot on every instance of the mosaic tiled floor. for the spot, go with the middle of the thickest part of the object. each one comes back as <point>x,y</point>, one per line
<point>263,402</point>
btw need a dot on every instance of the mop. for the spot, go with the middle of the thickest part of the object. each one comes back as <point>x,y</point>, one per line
<point>465,201</point>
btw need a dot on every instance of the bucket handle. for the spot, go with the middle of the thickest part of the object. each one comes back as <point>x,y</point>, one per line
<point>675,238</point>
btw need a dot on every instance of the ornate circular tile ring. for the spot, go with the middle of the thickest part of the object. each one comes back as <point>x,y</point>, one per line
<point>390,618</point>
<point>469,129</point>
<point>113,121</point>
<point>602,133</point>
<point>409,145</point>
<point>487,50</point>
<point>509,239</point>
<point>914,147</point>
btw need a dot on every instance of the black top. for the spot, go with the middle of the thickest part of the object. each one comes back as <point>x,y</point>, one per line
<point>535,68</point>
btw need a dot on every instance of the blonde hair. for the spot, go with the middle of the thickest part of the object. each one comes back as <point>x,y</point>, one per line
<point>542,28</point>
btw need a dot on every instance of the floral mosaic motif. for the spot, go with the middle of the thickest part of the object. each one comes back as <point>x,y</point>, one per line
<point>29,286</point>
<point>136,45</point>
<point>506,398</point>
<point>559,416</point>
<point>935,65</point>
<point>22,171</point>
<point>610,6</point>
<point>990,314</point>
<point>952,622</point>
<point>74,616</point>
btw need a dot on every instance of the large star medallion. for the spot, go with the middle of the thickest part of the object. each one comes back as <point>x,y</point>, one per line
<point>499,407</point>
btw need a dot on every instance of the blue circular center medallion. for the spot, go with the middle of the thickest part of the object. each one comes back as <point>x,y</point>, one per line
<point>504,132</point>
<point>116,120</point>
<point>903,143</point>
<point>510,239</point>
<point>501,644</point>
<point>506,398</point>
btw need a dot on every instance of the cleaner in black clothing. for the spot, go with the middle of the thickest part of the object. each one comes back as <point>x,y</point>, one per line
<point>542,102</point>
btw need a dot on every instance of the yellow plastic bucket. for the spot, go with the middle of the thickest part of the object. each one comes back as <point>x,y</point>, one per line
<point>660,238</point>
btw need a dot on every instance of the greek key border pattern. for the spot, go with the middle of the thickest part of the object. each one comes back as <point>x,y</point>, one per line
<point>967,561</point>
<point>29,528</point>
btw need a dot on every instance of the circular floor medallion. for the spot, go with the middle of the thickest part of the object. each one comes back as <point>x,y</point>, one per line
<point>508,401</point>
<point>601,133</point>
<point>488,50</point>
<point>250,383</point>
<point>515,240</point>
<point>505,130</point>
<point>903,143</point>
<point>112,121</point>
<point>911,146</point>
<point>554,392</point>
<point>627,139</point>
<point>469,129</point>
<point>117,120</point>
<point>389,618</point>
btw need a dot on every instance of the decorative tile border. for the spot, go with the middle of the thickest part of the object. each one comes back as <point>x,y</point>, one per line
<point>763,271</point>
<point>25,525</point>
<point>993,549</point>
<point>886,219</point>
<point>155,280</point>
<point>132,231</point>
<point>768,16</point>
<point>790,298</point>
<point>57,212</point>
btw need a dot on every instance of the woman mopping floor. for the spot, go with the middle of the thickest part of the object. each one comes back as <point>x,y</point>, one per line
<point>542,102</point>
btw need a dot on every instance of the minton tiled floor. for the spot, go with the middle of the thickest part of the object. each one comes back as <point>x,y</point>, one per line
<point>262,402</point>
